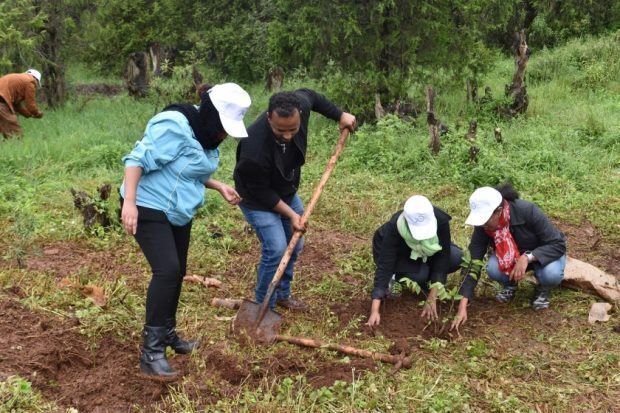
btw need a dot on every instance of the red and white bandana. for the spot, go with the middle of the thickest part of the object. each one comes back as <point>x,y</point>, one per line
<point>506,248</point>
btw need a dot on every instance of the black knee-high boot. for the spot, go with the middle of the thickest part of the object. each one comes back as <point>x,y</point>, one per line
<point>173,340</point>
<point>153,361</point>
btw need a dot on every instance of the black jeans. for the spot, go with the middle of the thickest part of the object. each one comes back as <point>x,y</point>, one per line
<point>165,247</point>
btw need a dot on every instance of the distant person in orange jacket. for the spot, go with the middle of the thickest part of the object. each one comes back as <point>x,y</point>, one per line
<point>17,94</point>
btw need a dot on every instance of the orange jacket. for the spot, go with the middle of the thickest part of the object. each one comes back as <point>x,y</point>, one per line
<point>18,91</point>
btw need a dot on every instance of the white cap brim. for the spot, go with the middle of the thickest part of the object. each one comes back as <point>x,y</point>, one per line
<point>234,128</point>
<point>425,232</point>
<point>478,219</point>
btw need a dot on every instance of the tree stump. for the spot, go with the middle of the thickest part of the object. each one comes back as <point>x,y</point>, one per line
<point>379,111</point>
<point>137,74</point>
<point>432,120</point>
<point>275,79</point>
<point>498,134</point>
<point>473,153</point>
<point>471,132</point>
<point>91,207</point>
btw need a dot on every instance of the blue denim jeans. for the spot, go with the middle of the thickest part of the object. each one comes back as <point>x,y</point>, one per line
<point>549,276</point>
<point>274,232</point>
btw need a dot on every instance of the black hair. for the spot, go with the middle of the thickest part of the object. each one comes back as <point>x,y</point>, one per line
<point>205,122</point>
<point>284,104</point>
<point>507,191</point>
<point>210,119</point>
<point>202,89</point>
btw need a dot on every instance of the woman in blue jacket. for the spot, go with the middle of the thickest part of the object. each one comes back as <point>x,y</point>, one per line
<point>165,178</point>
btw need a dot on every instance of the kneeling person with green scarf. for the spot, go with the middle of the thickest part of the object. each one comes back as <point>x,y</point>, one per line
<point>415,243</point>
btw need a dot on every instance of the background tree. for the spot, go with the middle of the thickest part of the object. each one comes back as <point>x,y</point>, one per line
<point>20,34</point>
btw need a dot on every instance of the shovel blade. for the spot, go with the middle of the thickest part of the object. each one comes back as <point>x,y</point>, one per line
<point>245,323</point>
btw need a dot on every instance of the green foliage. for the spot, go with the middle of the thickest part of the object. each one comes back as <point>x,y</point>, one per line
<point>17,395</point>
<point>471,267</point>
<point>177,88</point>
<point>583,63</point>
<point>21,26</point>
<point>115,28</point>
<point>554,22</point>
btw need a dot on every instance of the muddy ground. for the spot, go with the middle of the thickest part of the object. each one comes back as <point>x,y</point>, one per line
<point>102,377</point>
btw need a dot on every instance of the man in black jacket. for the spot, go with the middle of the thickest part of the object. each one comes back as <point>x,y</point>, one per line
<point>267,176</point>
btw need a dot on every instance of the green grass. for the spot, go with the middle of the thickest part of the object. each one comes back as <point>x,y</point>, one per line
<point>564,154</point>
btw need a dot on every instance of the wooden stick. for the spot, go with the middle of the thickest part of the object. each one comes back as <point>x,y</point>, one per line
<point>231,303</point>
<point>308,342</point>
<point>207,282</point>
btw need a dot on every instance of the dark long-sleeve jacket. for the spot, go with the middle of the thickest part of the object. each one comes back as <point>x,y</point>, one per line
<point>263,174</point>
<point>389,247</point>
<point>531,230</point>
<point>18,90</point>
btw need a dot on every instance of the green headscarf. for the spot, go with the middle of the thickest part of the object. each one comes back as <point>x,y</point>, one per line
<point>419,248</point>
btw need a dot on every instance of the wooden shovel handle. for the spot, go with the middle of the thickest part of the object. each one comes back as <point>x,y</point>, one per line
<point>304,219</point>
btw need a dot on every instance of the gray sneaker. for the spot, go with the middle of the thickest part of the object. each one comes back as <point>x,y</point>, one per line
<point>507,294</point>
<point>541,298</point>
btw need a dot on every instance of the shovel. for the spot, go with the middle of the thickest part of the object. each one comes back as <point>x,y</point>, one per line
<point>256,321</point>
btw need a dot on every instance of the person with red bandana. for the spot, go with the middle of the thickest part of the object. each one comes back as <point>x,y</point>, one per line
<point>522,238</point>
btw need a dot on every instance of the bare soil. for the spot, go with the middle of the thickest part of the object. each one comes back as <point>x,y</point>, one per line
<point>102,376</point>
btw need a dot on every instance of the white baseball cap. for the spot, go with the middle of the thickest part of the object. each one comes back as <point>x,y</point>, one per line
<point>482,203</point>
<point>231,102</point>
<point>420,217</point>
<point>36,74</point>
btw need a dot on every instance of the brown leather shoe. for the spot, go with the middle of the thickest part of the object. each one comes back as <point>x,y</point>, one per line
<point>293,305</point>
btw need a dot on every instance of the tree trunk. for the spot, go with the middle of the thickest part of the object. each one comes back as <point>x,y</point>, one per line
<point>53,80</point>
<point>379,111</point>
<point>137,74</point>
<point>517,90</point>
<point>433,122</point>
<point>472,90</point>
<point>158,55</point>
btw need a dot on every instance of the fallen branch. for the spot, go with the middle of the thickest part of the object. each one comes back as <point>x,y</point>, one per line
<point>231,303</point>
<point>308,342</point>
<point>207,282</point>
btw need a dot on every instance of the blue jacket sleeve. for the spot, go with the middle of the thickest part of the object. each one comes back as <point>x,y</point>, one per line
<point>162,142</point>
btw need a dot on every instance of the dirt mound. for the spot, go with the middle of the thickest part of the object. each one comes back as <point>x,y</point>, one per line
<point>64,259</point>
<point>57,360</point>
<point>401,322</point>
<point>585,242</point>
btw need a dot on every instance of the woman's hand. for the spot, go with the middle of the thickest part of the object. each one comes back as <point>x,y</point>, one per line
<point>229,194</point>
<point>461,316</point>
<point>518,272</point>
<point>129,216</point>
<point>429,311</point>
<point>375,317</point>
